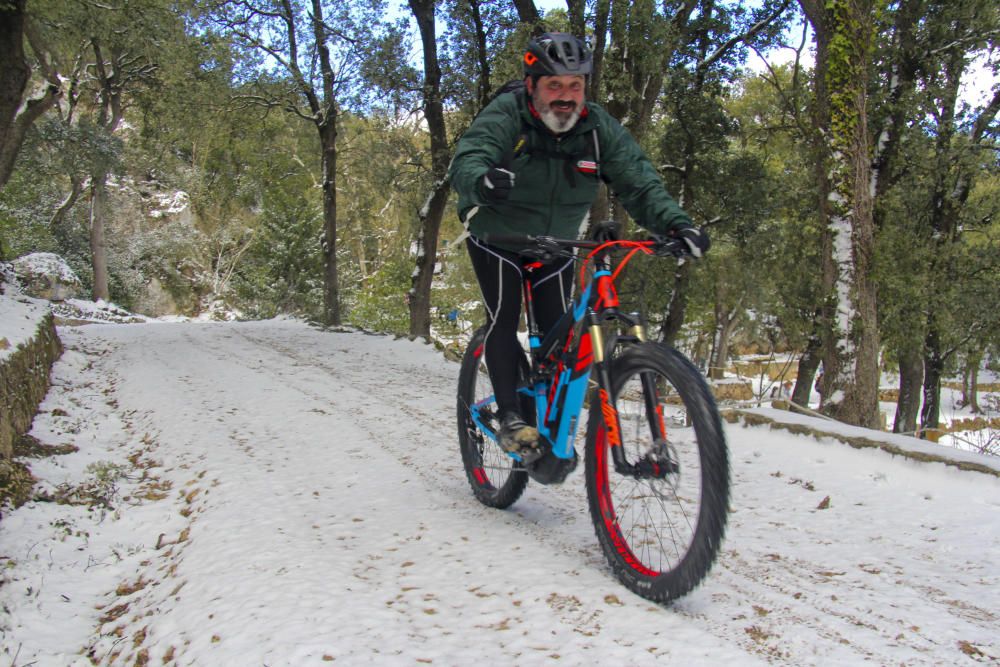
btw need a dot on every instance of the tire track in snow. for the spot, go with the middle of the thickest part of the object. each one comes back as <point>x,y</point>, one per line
<point>560,521</point>
<point>366,404</point>
<point>779,593</point>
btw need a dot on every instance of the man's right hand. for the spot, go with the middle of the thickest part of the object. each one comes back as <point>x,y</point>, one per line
<point>497,184</point>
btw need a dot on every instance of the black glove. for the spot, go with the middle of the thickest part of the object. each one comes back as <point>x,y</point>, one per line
<point>696,239</point>
<point>497,184</point>
<point>608,230</point>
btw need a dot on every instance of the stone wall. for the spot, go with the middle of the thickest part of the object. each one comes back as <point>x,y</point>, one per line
<point>24,381</point>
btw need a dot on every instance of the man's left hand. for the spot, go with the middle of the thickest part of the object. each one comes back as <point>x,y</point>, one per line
<point>696,239</point>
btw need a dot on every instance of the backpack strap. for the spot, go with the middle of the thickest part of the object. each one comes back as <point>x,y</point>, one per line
<point>594,168</point>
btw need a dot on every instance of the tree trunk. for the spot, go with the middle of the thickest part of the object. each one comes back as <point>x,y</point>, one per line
<point>820,119</point>
<point>360,254</point>
<point>851,361</point>
<point>576,10</point>
<point>16,113</point>
<point>944,217</point>
<point>911,378</point>
<point>601,208</point>
<point>900,77</point>
<point>98,248</point>
<point>14,75</point>
<point>526,13</point>
<point>806,375</point>
<point>109,118</point>
<point>677,308</point>
<point>433,211</point>
<point>420,291</point>
<point>970,383</point>
<point>674,320</point>
<point>482,57</point>
<point>952,186</point>
<point>331,281</point>
<point>725,323</point>
<point>930,414</point>
<point>58,221</point>
<point>14,69</point>
<point>602,12</point>
<point>325,115</point>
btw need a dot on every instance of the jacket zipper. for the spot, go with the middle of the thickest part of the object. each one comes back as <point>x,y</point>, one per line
<point>555,184</point>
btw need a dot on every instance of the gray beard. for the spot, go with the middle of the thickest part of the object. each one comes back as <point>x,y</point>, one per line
<point>553,123</point>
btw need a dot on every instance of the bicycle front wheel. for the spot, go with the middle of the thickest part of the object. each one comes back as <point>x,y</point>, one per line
<point>661,523</point>
<point>497,480</point>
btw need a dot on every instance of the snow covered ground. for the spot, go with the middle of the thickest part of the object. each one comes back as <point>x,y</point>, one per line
<point>19,317</point>
<point>272,494</point>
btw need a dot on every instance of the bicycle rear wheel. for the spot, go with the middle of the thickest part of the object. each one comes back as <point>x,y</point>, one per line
<point>662,530</point>
<point>497,480</point>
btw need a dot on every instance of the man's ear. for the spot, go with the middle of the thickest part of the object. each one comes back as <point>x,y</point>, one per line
<point>529,85</point>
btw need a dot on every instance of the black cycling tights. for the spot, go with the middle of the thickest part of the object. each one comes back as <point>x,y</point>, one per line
<point>500,273</point>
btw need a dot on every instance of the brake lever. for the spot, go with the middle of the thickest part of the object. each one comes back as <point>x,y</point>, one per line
<point>545,249</point>
<point>664,246</point>
<point>548,244</point>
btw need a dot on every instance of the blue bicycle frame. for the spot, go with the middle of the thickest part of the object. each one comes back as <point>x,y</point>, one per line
<point>561,363</point>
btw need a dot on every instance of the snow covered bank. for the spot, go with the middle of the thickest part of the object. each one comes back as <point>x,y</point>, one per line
<point>28,348</point>
<point>860,438</point>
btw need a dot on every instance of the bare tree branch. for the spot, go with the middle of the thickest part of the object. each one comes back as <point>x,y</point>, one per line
<point>987,116</point>
<point>745,37</point>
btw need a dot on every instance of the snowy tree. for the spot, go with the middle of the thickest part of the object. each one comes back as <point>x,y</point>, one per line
<point>20,103</point>
<point>316,52</point>
<point>844,42</point>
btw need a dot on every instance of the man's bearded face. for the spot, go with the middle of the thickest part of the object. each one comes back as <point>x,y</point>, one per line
<point>559,100</point>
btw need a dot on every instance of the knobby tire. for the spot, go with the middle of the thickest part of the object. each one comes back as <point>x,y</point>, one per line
<point>496,479</point>
<point>660,536</point>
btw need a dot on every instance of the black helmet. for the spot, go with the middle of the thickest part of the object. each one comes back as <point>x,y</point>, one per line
<point>557,54</point>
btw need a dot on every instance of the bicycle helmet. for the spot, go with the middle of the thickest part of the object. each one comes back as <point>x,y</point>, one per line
<point>557,54</point>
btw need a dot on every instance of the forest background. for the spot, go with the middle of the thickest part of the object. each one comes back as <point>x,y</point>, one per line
<point>274,157</point>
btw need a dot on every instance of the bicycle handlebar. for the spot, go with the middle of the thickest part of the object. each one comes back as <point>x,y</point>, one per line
<point>547,246</point>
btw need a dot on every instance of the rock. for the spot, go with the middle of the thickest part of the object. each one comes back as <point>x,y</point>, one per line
<point>155,301</point>
<point>45,275</point>
<point>732,390</point>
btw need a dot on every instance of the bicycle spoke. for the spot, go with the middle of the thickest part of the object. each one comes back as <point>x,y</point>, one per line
<point>493,475</point>
<point>665,519</point>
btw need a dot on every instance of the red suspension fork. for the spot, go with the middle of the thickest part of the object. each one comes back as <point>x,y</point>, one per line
<point>609,413</point>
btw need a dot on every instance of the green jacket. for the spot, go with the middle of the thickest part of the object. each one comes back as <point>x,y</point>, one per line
<point>551,194</point>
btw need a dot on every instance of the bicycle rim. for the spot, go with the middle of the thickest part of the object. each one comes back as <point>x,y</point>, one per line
<point>496,479</point>
<point>660,535</point>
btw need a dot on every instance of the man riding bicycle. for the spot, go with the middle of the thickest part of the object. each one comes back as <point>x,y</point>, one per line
<point>529,165</point>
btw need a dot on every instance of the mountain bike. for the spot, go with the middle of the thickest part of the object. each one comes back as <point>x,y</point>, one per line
<point>656,460</point>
